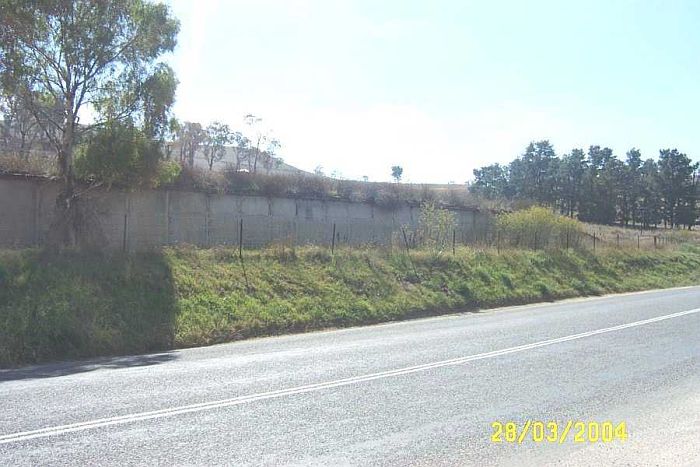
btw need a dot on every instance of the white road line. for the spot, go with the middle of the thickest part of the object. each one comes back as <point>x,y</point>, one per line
<point>103,422</point>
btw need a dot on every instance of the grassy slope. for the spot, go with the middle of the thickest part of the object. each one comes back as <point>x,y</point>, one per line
<point>78,304</point>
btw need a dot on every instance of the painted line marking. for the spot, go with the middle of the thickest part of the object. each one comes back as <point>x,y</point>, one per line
<point>131,418</point>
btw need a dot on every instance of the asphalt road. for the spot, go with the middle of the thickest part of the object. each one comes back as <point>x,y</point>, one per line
<point>422,392</point>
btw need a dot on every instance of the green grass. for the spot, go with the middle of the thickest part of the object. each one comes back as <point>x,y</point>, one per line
<point>73,305</point>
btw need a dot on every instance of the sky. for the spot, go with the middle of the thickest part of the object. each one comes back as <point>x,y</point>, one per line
<point>442,87</point>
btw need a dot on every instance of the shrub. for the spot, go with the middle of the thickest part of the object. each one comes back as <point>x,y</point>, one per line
<point>310,185</point>
<point>426,194</point>
<point>347,189</point>
<point>238,182</point>
<point>168,172</point>
<point>435,227</point>
<point>198,179</point>
<point>388,198</point>
<point>271,185</point>
<point>118,154</point>
<point>538,228</point>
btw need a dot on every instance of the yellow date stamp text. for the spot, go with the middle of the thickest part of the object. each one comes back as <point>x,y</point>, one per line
<point>575,431</point>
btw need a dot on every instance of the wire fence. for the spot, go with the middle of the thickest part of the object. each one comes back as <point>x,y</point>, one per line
<point>134,222</point>
<point>137,233</point>
<point>335,235</point>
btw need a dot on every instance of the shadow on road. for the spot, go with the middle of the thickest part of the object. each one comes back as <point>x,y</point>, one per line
<point>70,368</point>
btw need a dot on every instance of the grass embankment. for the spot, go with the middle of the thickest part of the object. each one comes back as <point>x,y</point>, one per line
<point>79,304</point>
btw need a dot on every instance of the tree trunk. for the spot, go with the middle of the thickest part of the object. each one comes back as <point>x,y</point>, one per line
<point>23,151</point>
<point>190,157</point>
<point>66,222</point>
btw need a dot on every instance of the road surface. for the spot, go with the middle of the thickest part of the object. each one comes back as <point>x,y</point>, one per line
<point>422,392</point>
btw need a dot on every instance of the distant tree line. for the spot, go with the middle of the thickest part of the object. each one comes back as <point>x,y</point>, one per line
<point>257,150</point>
<point>596,186</point>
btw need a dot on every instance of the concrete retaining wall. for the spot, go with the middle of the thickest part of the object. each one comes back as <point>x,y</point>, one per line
<point>142,220</point>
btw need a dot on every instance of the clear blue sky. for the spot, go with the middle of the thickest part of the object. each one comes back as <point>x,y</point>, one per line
<point>442,87</point>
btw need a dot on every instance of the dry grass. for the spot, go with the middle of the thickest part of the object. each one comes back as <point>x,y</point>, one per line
<point>612,236</point>
<point>33,164</point>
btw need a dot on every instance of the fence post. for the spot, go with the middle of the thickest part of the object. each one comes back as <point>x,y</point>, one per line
<point>654,241</point>
<point>333,240</point>
<point>296,233</point>
<point>240,240</point>
<point>594,241</point>
<point>454,239</point>
<point>638,242</point>
<point>405,240</point>
<point>618,240</point>
<point>408,253</point>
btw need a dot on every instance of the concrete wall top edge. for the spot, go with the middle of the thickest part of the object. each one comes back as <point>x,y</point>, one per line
<point>56,180</point>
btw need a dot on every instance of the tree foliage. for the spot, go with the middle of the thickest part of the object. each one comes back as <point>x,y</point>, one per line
<point>596,186</point>
<point>435,227</point>
<point>78,54</point>
<point>158,97</point>
<point>396,173</point>
<point>122,154</point>
<point>218,136</point>
<point>191,135</point>
<point>260,146</point>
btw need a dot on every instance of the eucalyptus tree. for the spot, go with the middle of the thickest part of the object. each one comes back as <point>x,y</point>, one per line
<point>261,146</point>
<point>83,56</point>
<point>218,136</point>
<point>191,136</point>
<point>18,127</point>
<point>396,173</point>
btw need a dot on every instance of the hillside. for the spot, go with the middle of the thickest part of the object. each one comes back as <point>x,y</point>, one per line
<point>278,167</point>
<point>78,304</point>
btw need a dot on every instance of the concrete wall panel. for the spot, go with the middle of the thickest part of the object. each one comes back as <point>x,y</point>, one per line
<point>188,218</point>
<point>18,206</point>
<point>283,208</point>
<point>311,210</point>
<point>148,219</point>
<point>110,209</point>
<point>254,205</point>
<point>45,209</point>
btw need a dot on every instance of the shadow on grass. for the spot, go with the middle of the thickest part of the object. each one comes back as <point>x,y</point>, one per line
<point>53,370</point>
<point>78,304</point>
